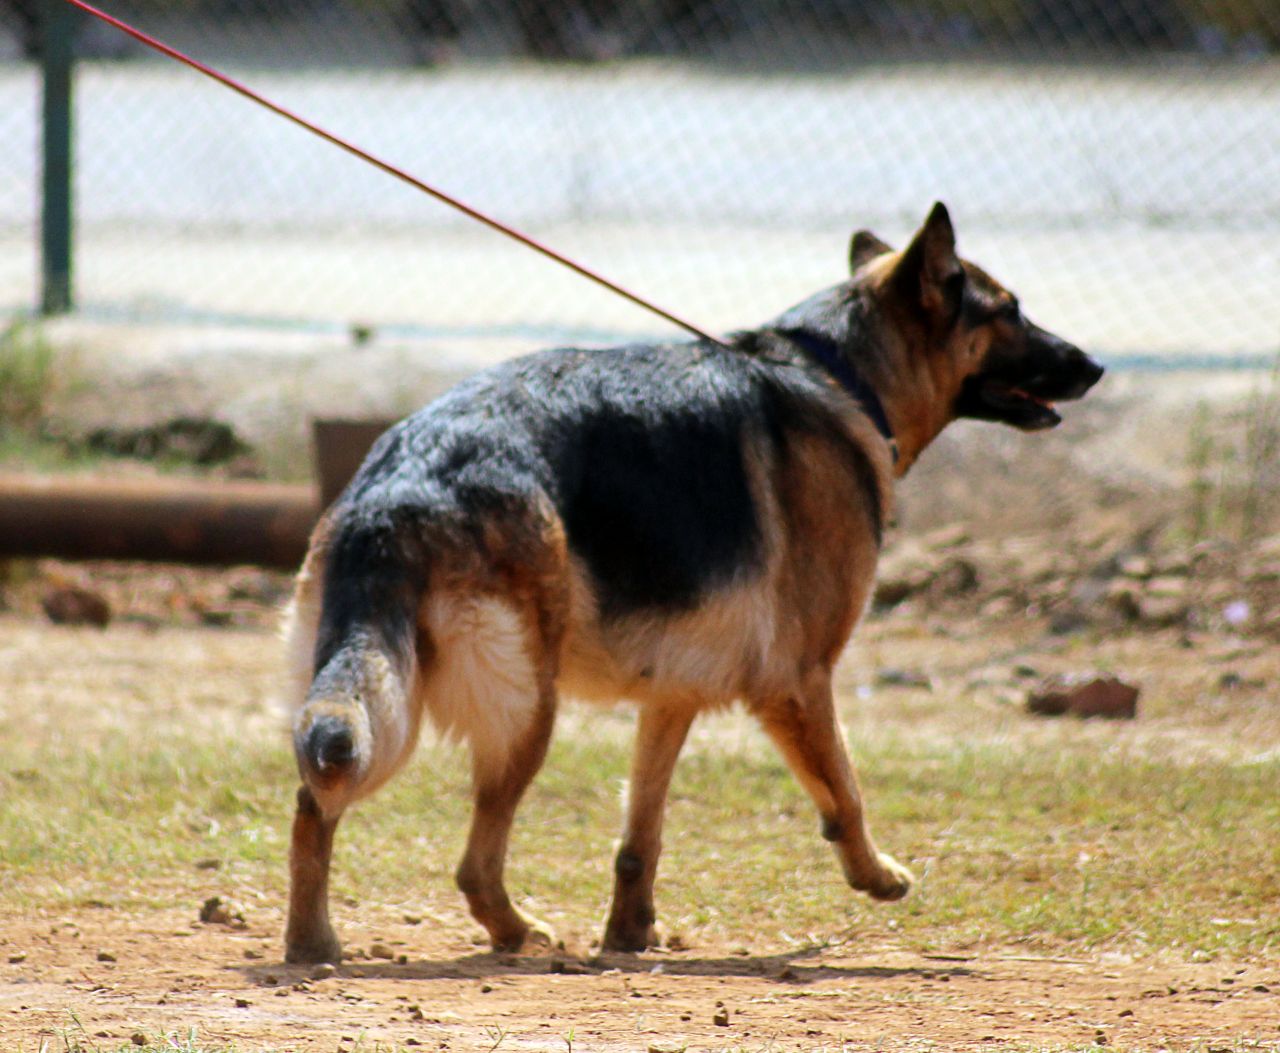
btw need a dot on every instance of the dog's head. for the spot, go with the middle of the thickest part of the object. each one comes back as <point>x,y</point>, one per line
<point>937,338</point>
<point>964,330</point>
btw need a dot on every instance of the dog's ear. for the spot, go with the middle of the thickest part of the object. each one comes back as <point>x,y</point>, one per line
<point>865,246</point>
<point>929,274</point>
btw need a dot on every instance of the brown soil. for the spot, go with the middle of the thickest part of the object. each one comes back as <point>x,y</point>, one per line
<point>171,974</point>
<point>440,989</point>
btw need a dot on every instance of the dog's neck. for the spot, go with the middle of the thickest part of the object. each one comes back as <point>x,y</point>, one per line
<point>826,353</point>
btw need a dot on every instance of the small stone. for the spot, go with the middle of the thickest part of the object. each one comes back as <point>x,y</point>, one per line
<point>569,968</point>
<point>218,911</point>
<point>402,959</point>
<point>486,988</point>
<point>903,678</point>
<point>413,919</point>
<point>958,577</point>
<point>251,954</point>
<point>1084,696</point>
<point>209,864</point>
<point>323,971</point>
<point>721,1017</point>
<point>381,950</point>
<point>1124,597</point>
<point>72,605</point>
<point>106,956</point>
<point>1159,609</point>
<point>243,1003</point>
<point>15,959</point>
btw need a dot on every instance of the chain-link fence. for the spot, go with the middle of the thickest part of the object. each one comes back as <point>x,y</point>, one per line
<point>1117,161</point>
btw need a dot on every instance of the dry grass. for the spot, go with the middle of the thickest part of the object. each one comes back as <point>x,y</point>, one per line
<point>128,759</point>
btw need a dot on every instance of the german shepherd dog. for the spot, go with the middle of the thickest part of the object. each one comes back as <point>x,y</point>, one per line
<point>680,526</point>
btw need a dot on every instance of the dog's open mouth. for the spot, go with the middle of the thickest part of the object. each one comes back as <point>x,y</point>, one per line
<point>1019,407</point>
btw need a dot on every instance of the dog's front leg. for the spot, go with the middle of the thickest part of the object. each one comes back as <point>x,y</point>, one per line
<point>805,730</point>
<point>309,937</point>
<point>659,737</point>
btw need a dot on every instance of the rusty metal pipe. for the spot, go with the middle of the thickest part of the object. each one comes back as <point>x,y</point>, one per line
<point>177,520</point>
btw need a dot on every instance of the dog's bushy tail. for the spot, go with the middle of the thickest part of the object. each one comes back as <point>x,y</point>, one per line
<point>358,720</point>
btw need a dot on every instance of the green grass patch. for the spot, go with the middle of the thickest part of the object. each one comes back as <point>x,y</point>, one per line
<point>1069,846</point>
<point>32,375</point>
<point>26,375</point>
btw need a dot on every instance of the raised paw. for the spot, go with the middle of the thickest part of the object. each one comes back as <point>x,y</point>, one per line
<point>893,881</point>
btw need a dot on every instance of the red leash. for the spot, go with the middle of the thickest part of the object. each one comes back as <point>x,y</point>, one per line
<point>391,169</point>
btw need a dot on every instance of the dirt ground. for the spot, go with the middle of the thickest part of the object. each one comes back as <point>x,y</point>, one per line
<point>170,975</point>
<point>98,975</point>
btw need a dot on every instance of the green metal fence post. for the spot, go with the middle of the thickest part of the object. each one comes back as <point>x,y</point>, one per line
<point>57,29</point>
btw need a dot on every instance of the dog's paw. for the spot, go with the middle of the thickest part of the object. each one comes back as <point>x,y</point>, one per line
<point>540,937</point>
<point>893,880</point>
<point>530,936</point>
<point>312,951</point>
<point>631,940</point>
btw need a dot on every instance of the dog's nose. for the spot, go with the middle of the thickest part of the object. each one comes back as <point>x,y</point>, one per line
<point>1087,371</point>
<point>1090,369</point>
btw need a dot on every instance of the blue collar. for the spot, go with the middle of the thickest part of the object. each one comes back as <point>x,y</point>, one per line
<point>826,353</point>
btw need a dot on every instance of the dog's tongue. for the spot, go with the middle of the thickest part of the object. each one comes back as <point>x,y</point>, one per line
<point>1031,398</point>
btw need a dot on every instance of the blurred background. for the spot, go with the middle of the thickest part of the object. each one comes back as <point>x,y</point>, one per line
<point>1115,161</point>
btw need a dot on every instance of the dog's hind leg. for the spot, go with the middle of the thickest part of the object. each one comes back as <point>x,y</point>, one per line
<point>805,730</point>
<point>355,715</point>
<point>659,737</point>
<point>495,687</point>
<point>309,937</point>
<point>499,784</point>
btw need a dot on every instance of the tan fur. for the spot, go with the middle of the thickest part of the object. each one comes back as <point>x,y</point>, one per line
<point>480,686</point>
<point>302,618</point>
